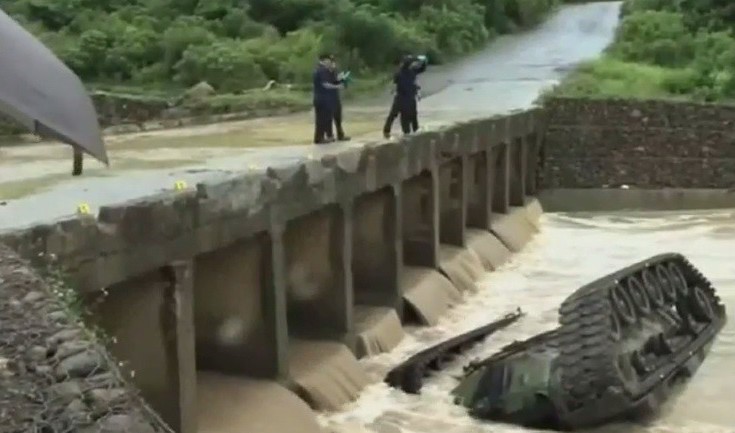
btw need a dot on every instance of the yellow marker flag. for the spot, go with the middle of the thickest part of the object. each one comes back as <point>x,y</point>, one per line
<point>253,167</point>
<point>83,208</point>
<point>179,185</point>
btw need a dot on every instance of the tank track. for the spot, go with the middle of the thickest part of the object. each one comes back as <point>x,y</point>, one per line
<point>409,375</point>
<point>625,338</point>
<point>623,342</point>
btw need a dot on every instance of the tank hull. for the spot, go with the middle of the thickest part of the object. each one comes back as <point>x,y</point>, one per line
<point>623,343</point>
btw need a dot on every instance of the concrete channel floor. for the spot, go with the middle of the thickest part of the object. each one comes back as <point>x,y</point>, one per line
<point>35,185</point>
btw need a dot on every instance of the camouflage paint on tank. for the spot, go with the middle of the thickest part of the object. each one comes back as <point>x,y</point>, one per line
<point>513,388</point>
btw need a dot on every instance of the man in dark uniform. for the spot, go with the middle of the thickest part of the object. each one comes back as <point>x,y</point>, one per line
<point>393,112</point>
<point>406,93</point>
<point>323,99</point>
<point>336,105</point>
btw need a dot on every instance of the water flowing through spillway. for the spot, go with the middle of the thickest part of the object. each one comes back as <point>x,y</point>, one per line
<point>569,251</point>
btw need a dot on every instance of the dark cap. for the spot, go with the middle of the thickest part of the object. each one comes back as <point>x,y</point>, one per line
<point>326,56</point>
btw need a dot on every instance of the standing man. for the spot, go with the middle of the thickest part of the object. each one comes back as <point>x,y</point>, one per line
<point>337,79</point>
<point>406,93</point>
<point>323,99</point>
<point>393,112</point>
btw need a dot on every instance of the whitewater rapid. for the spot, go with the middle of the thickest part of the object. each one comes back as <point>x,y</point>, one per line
<point>571,250</point>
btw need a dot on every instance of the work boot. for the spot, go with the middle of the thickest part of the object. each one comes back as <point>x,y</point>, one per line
<point>386,135</point>
<point>344,138</point>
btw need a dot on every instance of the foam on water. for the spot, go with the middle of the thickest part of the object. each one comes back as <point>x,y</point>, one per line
<point>569,251</point>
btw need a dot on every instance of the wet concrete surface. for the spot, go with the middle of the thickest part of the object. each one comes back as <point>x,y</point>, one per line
<point>36,187</point>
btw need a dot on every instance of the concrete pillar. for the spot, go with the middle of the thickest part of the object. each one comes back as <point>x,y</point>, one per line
<point>344,295</point>
<point>148,319</point>
<point>275,313</point>
<point>420,227</point>
<point>533,144</point>
<point>501,185</point>
<point>179,297</point>
<point>397,205</point>
<point>481,178</point>
<point>518,172</point>
<point>376,255</point>
<point>453,201</point>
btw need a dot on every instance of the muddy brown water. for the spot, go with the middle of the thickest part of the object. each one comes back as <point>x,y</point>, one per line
<point>569,251</point>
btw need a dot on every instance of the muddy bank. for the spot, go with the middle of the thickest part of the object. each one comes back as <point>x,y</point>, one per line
<point>54,374</point>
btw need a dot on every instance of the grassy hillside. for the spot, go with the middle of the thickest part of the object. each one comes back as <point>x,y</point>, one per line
<point>665,48</point>
<point>163,46</point>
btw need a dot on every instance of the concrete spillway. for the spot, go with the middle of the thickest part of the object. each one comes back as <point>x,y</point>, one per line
<point>285,278</point>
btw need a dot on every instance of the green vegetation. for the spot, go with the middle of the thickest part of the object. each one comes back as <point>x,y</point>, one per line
<point>665,49</point>
<point>163,46</point>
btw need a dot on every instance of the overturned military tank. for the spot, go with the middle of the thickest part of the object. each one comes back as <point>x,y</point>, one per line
<point>624,342</point>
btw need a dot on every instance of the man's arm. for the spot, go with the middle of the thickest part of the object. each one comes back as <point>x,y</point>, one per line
<point>420,68</point>
<point>335,78</point>
<point>330,81</point>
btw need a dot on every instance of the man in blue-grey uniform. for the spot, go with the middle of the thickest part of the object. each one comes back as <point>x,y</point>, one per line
<point>323,88</point>
<point>337,78</point>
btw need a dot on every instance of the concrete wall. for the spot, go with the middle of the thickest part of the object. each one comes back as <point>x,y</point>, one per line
<point>135,316</point>
<point>641,144</point>
<point>223,277</point>
<point>377,249</point>
<point>230,286</point>
<point>613,155</point>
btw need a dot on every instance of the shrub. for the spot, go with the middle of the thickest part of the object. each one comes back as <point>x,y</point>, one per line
<point>235,44</point>
<point>658,38</point>
<point>225,64</point>
<point>666,48</point>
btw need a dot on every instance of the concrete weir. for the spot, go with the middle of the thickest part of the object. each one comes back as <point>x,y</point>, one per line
<point>263,290</point>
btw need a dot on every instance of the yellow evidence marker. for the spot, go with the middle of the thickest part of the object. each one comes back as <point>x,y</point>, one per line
<point>179,185</point>
<point>83,209</point>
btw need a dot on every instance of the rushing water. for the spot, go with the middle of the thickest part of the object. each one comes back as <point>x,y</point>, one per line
<point>570,251</point>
